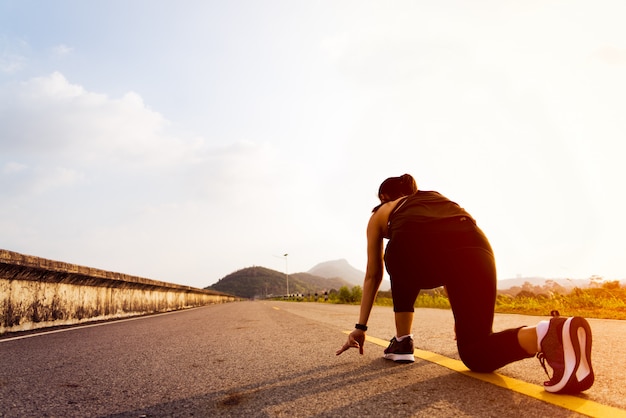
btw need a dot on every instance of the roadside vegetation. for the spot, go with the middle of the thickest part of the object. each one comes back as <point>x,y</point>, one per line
<point>601,299</point>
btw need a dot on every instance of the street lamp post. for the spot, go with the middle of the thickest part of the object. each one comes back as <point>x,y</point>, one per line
<point>287,273</point>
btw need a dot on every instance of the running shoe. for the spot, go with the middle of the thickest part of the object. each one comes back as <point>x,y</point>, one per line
<point>566,347</point>
<point>400,352</point>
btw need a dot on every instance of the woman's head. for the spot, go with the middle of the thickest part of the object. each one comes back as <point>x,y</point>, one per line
<point>397,187</point>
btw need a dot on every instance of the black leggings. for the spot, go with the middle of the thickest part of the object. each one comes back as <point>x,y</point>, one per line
<point>461,259</point>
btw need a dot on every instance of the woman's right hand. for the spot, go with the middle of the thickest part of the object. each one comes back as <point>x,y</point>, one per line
<point>356,339</point>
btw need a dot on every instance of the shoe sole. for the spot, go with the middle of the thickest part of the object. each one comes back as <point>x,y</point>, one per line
<point>578,374</point>
<point>400,358</point>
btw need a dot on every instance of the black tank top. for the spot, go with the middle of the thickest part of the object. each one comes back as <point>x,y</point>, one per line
<point>425,209</point>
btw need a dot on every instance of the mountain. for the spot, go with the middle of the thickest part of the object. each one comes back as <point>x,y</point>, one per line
<point>339,268</point>
<point>254,282</point>
<point>259,282</point>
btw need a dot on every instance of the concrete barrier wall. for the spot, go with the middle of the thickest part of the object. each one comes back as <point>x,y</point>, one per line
<point>36,293</point>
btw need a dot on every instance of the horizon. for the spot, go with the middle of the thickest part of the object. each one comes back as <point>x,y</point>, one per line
<point>510,282</point>
<point>386,278</point>
<point>179,142</point>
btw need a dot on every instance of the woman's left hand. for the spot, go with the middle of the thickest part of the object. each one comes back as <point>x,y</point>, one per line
<point>356,339</point>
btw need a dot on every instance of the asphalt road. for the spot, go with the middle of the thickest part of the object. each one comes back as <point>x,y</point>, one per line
<point>272,359</point>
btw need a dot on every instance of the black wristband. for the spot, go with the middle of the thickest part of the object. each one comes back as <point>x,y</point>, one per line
<point>361,327</point>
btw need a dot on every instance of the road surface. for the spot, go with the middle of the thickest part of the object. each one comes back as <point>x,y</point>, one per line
<point>273,359</point>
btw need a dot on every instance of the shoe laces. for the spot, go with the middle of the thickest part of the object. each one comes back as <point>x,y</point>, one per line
<point>542,360</point>
<point>540,356</point>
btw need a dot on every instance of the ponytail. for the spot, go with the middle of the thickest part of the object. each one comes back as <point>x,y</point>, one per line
<point>396,187</point>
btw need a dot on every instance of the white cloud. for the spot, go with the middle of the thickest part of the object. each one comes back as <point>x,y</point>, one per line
<point>11,63</point>
<point>52,178</point>
<point>61,50</point>
<point>116,179</point>
<point>86,126</point>
<point>89,131</point>
<point>12,55</point>
<point>12,167</point>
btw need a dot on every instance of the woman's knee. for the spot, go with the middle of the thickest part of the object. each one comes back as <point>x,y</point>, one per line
<point>475,358</point>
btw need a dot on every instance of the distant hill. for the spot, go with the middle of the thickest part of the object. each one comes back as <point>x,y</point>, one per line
<point>259,282</point>
<point>339,268</point>
<point>254,282</point>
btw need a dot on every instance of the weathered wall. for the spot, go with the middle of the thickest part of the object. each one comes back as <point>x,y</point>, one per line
<point>36,293</point>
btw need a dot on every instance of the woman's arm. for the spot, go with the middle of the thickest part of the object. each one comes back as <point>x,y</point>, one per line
<point>375,265</point>
<point>373,276</point>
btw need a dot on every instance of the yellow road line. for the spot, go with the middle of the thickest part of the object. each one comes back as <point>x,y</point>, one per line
<point>573,403</point>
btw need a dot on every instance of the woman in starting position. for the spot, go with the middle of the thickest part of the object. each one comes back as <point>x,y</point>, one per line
<point>434,242</point>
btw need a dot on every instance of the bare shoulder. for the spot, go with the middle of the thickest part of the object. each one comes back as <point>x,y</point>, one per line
<point>380,218</point>
<point>388,207</point>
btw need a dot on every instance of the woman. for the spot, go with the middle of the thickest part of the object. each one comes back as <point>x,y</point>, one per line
<point>434,242</point>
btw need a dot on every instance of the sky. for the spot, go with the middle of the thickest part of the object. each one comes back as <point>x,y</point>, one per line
<point>184,140</point>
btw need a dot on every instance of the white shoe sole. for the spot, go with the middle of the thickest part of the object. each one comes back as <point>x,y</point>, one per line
<point>400,358</point>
